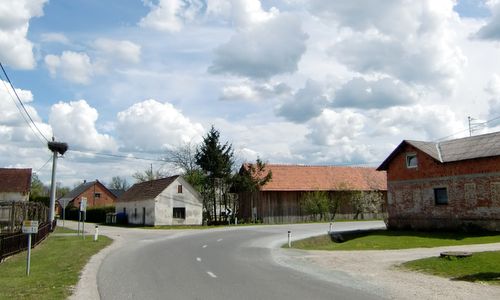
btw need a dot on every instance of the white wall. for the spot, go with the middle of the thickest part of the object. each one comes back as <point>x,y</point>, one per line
<point>9,196</point>
<point>170,198</point>
<point>133,206</point>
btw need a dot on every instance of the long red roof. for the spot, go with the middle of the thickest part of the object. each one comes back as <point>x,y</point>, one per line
<point>324,178</point>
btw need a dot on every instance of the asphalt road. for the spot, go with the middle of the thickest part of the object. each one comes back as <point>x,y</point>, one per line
<point>235,263</point>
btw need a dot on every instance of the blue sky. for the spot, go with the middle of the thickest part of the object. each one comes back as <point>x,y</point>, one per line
<point>290,81</point>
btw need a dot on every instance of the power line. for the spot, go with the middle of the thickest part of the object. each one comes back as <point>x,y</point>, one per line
<point>20,111</point>
<point>44,164</point>
<point>22,104</point>
<point>465,130</point>
<point>118,156</point>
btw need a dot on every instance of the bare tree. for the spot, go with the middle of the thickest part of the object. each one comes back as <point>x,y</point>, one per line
<point>147,175</point>
<point>183,157</point>
<point>119,183</point>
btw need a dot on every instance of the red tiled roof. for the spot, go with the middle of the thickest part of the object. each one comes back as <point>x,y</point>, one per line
<point>15,180</point>
<point>324,178</point>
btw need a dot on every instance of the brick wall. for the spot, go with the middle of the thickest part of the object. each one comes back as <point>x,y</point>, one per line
<point>473,189</point>
<point>105,197</point>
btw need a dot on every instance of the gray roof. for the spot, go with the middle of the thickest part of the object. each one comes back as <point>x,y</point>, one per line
<point>77,191</point>
<point>479,146</point>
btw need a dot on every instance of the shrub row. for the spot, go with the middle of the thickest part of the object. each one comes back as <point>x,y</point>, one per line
<point>93,214</point>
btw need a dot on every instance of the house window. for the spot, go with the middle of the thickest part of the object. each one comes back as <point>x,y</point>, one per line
<point>179,189</point>
<point>440,196</point>
<point>179,213</point>
<point>411,160</point>
<point>97,195</point>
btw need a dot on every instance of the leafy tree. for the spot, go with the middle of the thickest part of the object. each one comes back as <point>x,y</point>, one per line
<point>119,183</point>
<point>216,161</point>
<point>315,203</point>
<point>38,189</point>
<point>252,177</point>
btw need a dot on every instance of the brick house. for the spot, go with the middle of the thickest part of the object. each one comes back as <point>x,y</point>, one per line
<point>15,184</point>
<point>444,185</point>
<point>279,200</point>
<point>166,201</point>
<point>96,193</point>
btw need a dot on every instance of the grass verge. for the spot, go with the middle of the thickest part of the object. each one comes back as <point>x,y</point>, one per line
<point>55,268</point>
<point>480,267</point>
<point>387,240</point>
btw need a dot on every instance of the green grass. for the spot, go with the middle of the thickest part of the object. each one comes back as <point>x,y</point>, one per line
<point>64,230</point>
<point>480,267</point>
<point>387,240</point>
<point>55,267</point>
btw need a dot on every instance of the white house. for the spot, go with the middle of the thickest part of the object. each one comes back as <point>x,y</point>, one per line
<point>166,201</point>
<point>15,184</point>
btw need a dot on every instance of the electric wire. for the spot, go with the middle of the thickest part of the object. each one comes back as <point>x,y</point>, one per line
<point>22,104</point>
<point>44,165</point>
<point>20,111</point>
<point>465,130</point>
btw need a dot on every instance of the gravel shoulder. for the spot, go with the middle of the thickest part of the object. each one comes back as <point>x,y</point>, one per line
<point>378,272</point>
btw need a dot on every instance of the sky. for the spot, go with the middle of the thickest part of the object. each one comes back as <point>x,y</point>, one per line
<point>289,81</point>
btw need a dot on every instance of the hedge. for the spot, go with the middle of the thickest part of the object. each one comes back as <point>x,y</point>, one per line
<point>93,214</point>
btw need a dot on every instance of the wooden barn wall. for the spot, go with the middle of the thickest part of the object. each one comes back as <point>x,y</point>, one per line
<point>276,207</point>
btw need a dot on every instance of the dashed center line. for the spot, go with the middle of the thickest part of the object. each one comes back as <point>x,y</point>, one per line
<point>211,274</point>
<point>219,240</point>
<point>198,259</point>
<point>204,246</point>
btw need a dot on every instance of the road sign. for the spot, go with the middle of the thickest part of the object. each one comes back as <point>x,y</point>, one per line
<point>83,204</point>
<point>30,226</point>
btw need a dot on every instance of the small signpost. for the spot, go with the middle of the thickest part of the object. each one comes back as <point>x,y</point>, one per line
<point>29,227</point>
<point>83,210</point>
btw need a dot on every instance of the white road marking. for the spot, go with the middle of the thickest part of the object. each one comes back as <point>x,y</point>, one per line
<point>204,246</point>
<point>211,274</point>
<point>198,259</point>
<point>219,240</point>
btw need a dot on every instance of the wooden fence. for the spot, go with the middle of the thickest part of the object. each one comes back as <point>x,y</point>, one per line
<point>13,243</point>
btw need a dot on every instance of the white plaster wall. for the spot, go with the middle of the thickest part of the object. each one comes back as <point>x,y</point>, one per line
<point>9,196</point>
<point>137,218</point>
<point>170,198</point>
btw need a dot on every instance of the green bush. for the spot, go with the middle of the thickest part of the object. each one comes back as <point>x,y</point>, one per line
<point>93,214</point>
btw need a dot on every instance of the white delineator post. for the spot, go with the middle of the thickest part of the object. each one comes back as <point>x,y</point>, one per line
<point>289,239</point>
<point>96,233</point>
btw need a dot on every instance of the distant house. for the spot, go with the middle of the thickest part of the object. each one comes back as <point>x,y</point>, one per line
<point>279,201</point>
<point>449,184</point>
<point>95,193</point>
<point>167,201</point>
<point>15,184</point>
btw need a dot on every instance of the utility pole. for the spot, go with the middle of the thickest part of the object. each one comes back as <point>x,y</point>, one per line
<point>61,148</point>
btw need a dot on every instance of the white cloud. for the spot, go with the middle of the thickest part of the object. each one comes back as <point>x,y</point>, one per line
<point>418,122</point>
<point>249,12</point>
<point>15,48</point>
<point>154,126</point>
<point>123,50</point>
<point>491,30</point>
<point>251,91</point>
<point>75,123</point>
<point>170,15</point>
<point>305,104</point>
<point>332,128</point>
<point>72,66</point>
<point>13,126</point>
<point>55,37</point>
<point>412,41</point>
<point>263,50</point>
<point>367,94</point>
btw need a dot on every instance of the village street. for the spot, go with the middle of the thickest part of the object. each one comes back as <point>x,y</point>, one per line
<point>225,263</point>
